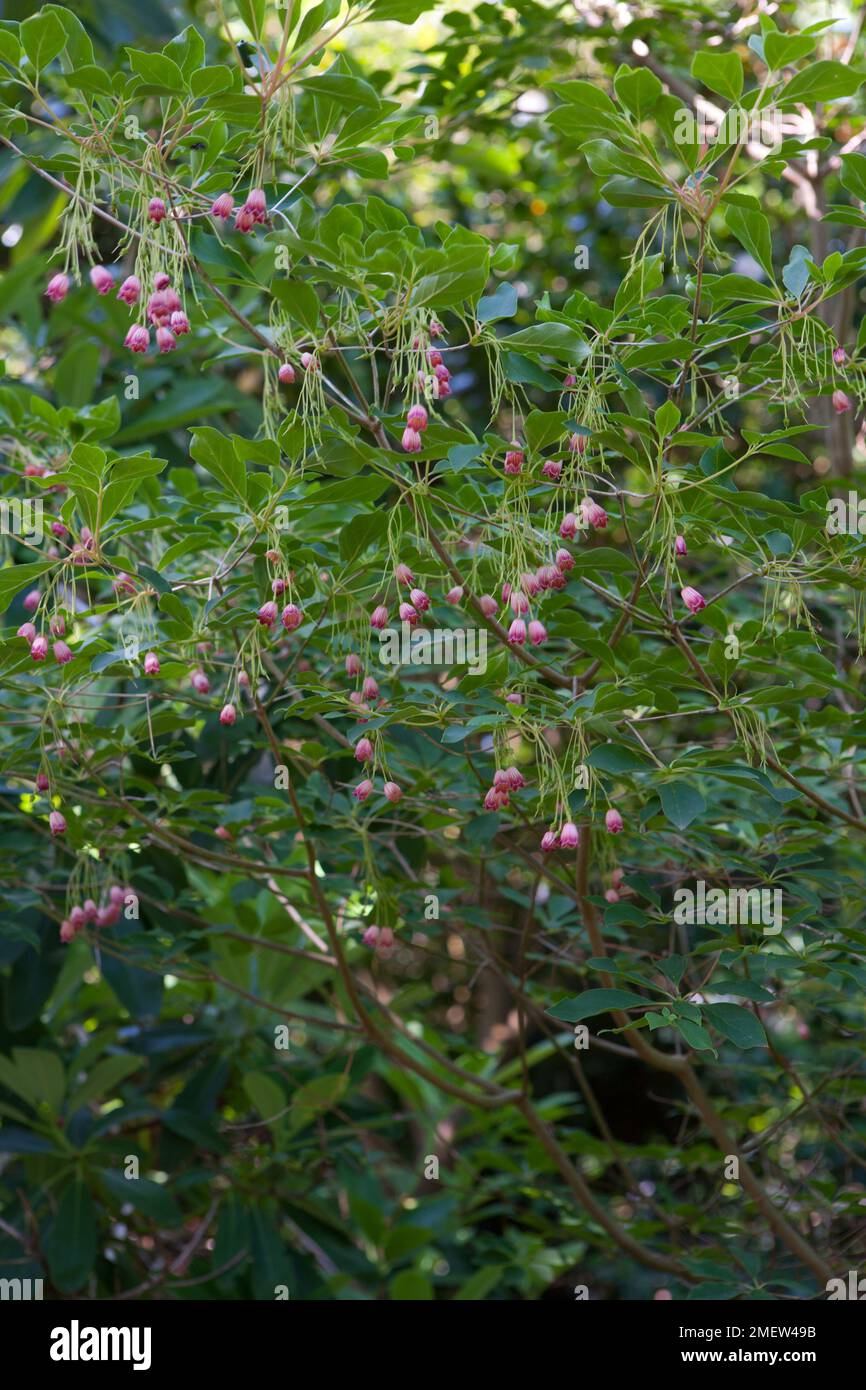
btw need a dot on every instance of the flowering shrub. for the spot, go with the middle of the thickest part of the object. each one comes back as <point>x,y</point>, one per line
<point>432,745</point>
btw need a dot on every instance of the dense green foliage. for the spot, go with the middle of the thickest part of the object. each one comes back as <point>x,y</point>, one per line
<point>587,360</point>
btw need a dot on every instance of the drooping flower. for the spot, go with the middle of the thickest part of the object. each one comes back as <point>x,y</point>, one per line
<point>841,402</point>
<point>420,599</point>
<point>564,560</point>
<point>363,790</point>
<point>371,936</point>
<point>613,821</point>
<point>222,207</point>
<point>549,841</point>
<point>57,288</point>
<point>488,605</point>
<point>200,683</point>
<point>454,595</point>
<point>354,666</point>
<point>513,460</point>
<point>130,290</point>
<point>101,279</point>
<point>519,602</point>
<point>569,835</point>
<point>137,339</point>
<point>31,601</point>
<point>62,653</point>
<point>156,210</point>
<point>165,339</point>
<point>680,547</point>
<point>569,527</point>
<point>178,323</point>
<point>404,575</point>
<point>552,469</point>
<point>42,782</point>
<point>57,823</point>
<point>577,443</point>
<point>228,714</point>
<point>39,648</point>
<point>363,750</point>
<point>27,631</point>
<point>267,614</point>
<point>369,689</point>
<point>517,632</point>
<point>379,617</point>
<point>408,614</point>
<point>393,793</point>
<point>411,440</point>
<point>151,664</point>
<point>416,419</point>
<point>593,514</point>
<point>840,356</point>
<point>693,600</point>
<point>537,633</point>
<point>67,931</point>
<point>286,374</point>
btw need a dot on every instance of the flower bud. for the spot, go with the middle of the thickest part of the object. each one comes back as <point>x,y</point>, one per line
<point>156,210</point>
<point>165,339</point>
<point>416,419</point>
<point>613,821</point>
<point>549,841</point>
<point>228,714</point>
<point>31,601</point>
<point>363,790</point>
<point>404,575</point>
<point>57,288</point>
<point>454,595</point>
<point>371,936</point>
<point>408,614</point>
<point>57,823</point>
<point>420,599</point>
<point>354,666</point>
<point>42,782</point>
<point>841,402</point>
<point>179,323</point>
<point>286,374</point>
<point>27,631</point>
<point>62,654</point>
<point>67,931</point>
<point>564,560</point>
<point>291,617</point>
<point>267,614</point>
<point>369,689</point>
<point>693,600</point>
<point>200,683</point>
<point>488,605</point>
<point>363,750</point>
<point>393,793</point>
<point>411,440</point>
<point>840,356</point>
<point>569,528</point>
<point>680,547</point>
<point>379,617</point>
<point>537,633</point>
<point>39,648</point>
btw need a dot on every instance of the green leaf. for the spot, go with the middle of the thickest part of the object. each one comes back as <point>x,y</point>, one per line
<point>781,50</point>
<point>70,1246</point>
<point>502,304</point>
<point>43,37</point>
<point>681,803</point>
<point>637,89</point>
<point>157,71</point>
<point>595,1001</point>
<point>752,230</point>
<point>104,1077</point>
<point>721,72</point>
<point>149,1197</point>
<point>822,81</point>
<point>737,1024</point>
<point>551,339</point>
<point>214,452</point>
<point>265,1095</point>
<point>14,578</point>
